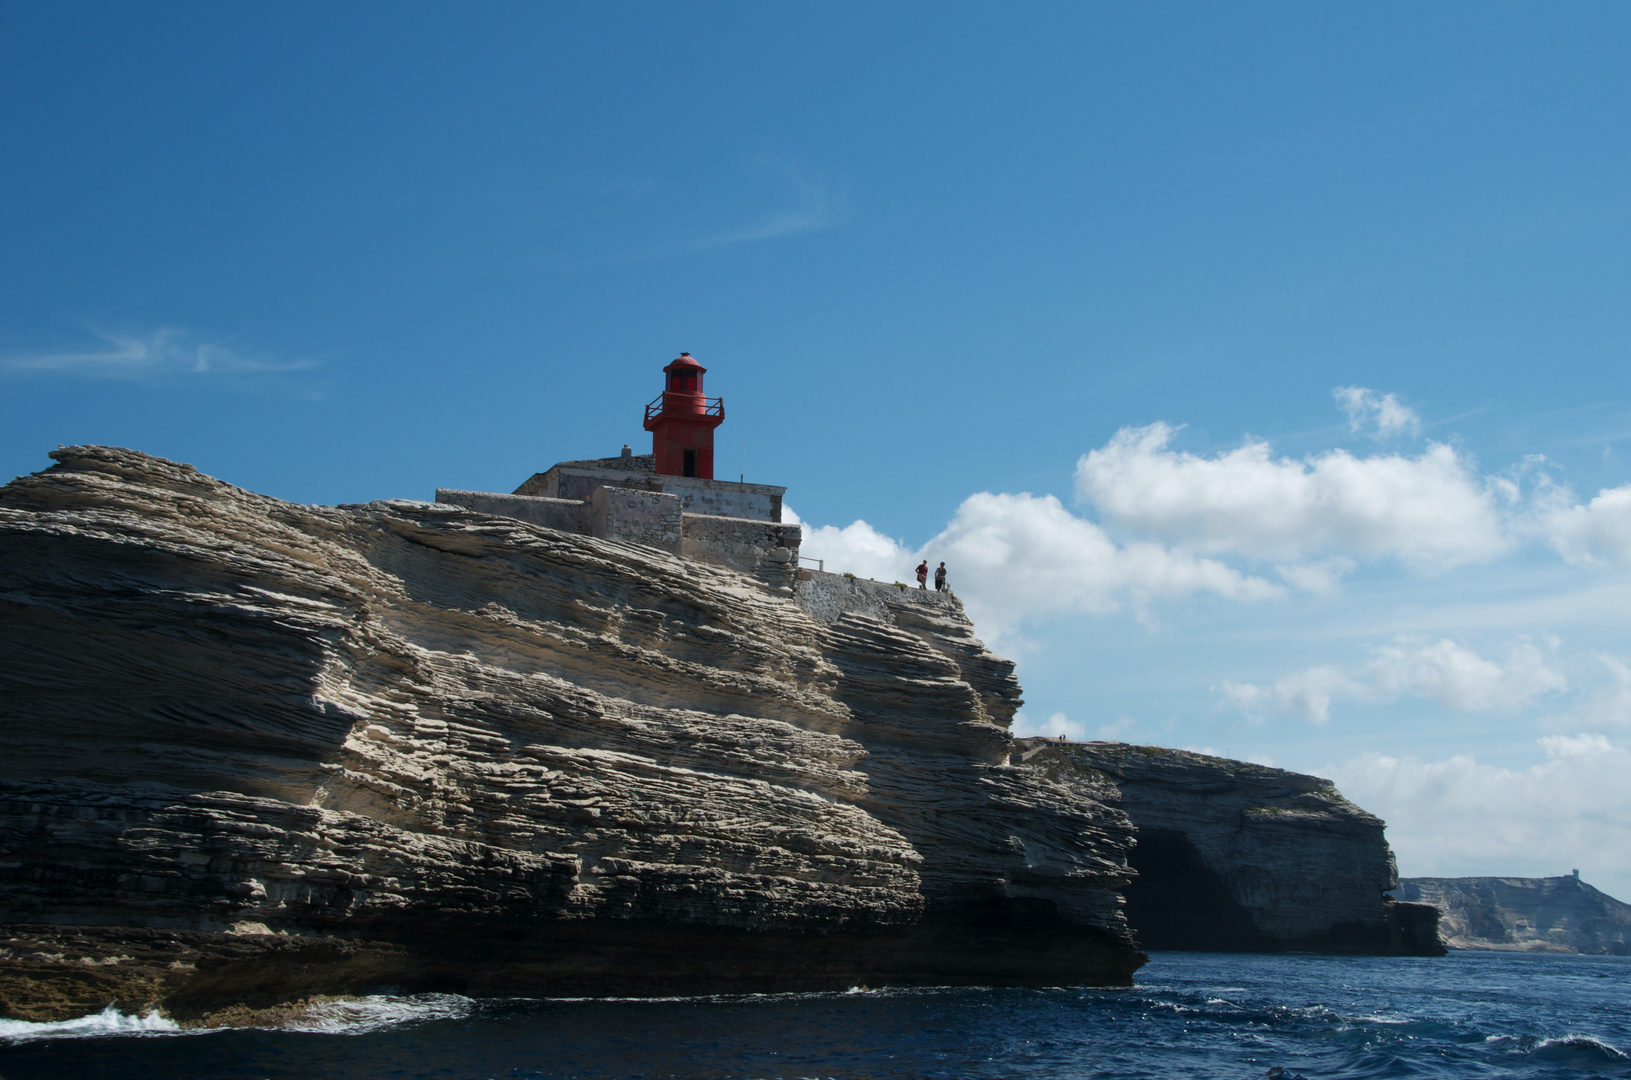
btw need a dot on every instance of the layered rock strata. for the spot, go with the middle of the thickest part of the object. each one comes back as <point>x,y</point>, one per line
<point>258,751</point>
<point>1555,914</point>
<point>1237,857</point>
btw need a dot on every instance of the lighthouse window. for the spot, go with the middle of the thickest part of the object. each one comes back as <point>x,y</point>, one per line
<point>690,463</point>
<point>683,382</point>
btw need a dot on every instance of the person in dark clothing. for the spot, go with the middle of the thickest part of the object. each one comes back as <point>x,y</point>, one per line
<point>940,578</point>
<point>923,574</point>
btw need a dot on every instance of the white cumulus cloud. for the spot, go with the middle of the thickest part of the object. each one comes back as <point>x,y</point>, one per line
<point>1162,523</point>
<point>1431,511</point>
<point>1011,557</point>
<point>857,549</point>
<point>1444,671</point>
<point>1457,817</point>
<point>1595,532</point>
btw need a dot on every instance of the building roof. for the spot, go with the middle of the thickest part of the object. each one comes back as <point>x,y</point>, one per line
<point>637,463</point>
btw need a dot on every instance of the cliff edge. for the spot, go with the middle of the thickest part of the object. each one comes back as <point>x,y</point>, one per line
<point>259,751</point>
<point>1237,857</point>
<point>1555,914</point>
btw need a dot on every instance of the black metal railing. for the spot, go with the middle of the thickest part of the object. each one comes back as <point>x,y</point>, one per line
<point>711,406</point>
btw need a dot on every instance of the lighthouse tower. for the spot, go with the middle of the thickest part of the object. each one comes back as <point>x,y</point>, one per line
<point>682,422</point>
<point>667,499</point>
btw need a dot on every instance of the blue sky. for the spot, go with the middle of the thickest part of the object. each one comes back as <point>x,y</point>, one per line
<point>1259,370</point>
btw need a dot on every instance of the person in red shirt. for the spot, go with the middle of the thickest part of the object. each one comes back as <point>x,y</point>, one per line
<point>923,574</point>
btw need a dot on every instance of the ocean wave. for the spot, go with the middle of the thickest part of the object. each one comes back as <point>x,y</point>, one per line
<point>1578,1050</point>
<point>110,1021</point>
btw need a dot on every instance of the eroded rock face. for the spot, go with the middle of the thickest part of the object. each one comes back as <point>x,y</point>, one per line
<point>400,744</point>
<point>1555,914</point>
<point>1237,857</point>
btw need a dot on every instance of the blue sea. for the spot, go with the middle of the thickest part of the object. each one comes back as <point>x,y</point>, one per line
<point>1190,1015</point>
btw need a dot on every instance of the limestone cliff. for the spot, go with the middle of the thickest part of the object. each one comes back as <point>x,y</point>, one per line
<point>1555,914</point>
<point>258,750</point>
<point>1237,857</point>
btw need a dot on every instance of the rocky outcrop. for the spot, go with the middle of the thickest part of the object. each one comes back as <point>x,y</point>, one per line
<point>1555,914</point>
<point>258,751</point>
<point>1237,857</point>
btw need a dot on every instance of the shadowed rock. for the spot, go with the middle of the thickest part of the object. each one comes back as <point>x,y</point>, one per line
<point>1237,857</point>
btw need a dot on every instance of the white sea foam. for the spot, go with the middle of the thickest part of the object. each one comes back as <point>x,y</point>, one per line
<point>356,1017</point>
<point>380,1012</point>
<point>110,1021</point>
<point>1580,1050</point>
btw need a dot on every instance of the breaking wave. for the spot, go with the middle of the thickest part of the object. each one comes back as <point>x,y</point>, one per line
<point>1579,1051</point>
<point>110,1021</point>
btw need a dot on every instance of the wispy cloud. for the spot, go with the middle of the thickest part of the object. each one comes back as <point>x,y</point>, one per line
<point>775,199</point>
<point>1380,416</point>
<point>166,351</point>
<point>811,203</point>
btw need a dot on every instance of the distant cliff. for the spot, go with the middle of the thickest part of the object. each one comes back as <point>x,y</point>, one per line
<point>1555,914</point>
<point>1237,857</point>
<point>257,751</point>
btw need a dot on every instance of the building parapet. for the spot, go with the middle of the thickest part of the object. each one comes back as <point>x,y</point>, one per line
<point>636,516</point>
<point>567,515</point>
<point>721,498</point>
<point>768,550</point>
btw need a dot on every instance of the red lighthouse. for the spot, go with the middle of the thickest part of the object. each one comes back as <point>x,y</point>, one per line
<point>682,422</point>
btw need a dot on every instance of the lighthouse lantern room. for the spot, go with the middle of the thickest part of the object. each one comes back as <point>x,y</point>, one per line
<point>682,422</point>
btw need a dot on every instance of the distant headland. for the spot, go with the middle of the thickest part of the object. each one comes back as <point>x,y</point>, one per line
<point>1514,914</point>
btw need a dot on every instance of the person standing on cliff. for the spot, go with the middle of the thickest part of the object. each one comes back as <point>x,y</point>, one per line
<point>939,578</point>
<point>923,574</point>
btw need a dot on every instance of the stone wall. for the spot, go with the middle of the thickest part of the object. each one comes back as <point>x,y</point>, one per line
<point>545,483</point>
<point>634,516</point>
<point>725,498</point>
<point>567,515</point>
<point>721,498</point>
<point>766,549</point>
<point>567,483</point>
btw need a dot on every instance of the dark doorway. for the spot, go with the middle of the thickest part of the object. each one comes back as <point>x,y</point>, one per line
<point>690,463</point>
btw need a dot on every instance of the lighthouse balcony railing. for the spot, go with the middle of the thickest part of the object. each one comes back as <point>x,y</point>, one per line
<point>685,403</point>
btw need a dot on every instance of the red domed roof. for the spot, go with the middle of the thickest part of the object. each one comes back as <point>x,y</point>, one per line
<point>684,362</point>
